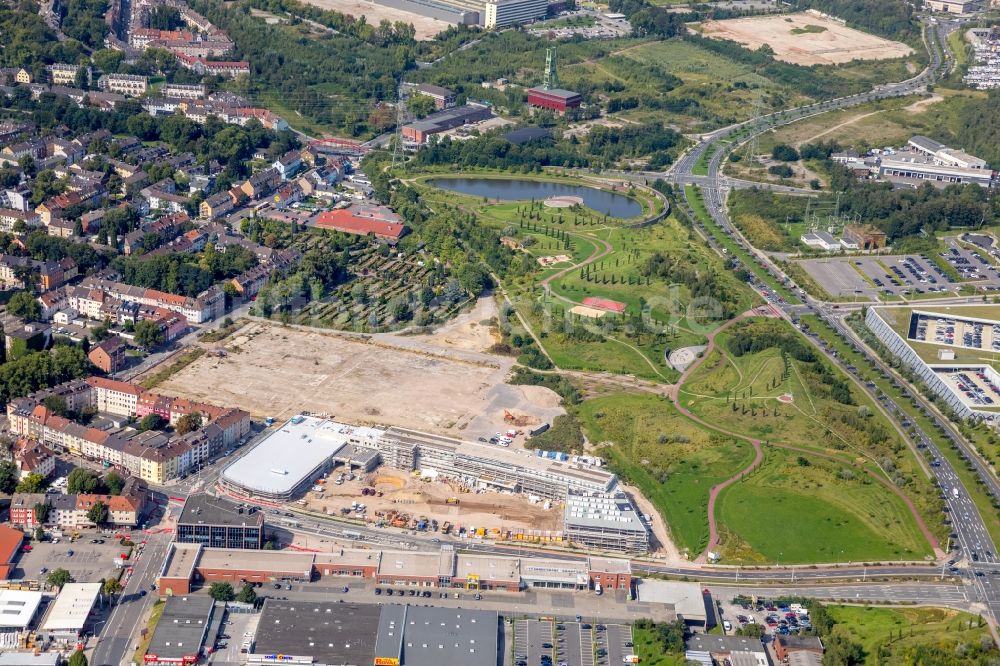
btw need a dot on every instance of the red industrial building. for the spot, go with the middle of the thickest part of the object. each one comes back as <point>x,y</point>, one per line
<point>556,99</point>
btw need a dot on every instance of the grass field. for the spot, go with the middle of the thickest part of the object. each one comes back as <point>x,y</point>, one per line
<point>650,650</point>
<point>797,511</point>
<point>885,123</point>
<point>672,460</point>
<point>741,394</point>
<point>991,517</point>
<point>610,260</point>
<point>886,633</point>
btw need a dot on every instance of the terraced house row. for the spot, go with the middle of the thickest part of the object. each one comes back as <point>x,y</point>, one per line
<point>71,511</point>
<point>152,456</point>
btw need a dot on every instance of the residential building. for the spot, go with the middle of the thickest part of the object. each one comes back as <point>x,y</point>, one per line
<point>443,98</point>
<point>109,355</point>
<point>63,74</point>
<point>34,458</point>
<point>9,218</point>
<point>115,397</point>
<point>183,91</point>
<point>288,164</point>
<point>216,206</point>
<point>129,85</point>
<point>261,183</point>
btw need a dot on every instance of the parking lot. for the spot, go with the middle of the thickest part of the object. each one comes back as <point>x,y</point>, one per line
<point>776,618</point>
<point>89,563</point>
<point>236,626</point>
<point>544,643</point>
<point>899,275</point>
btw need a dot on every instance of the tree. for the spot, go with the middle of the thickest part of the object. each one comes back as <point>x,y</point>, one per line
<point>98,514</point>
<point>78,658</point>
<point>59,578</point>
<point>111,586</point>
<point>42,510</point>
<point>151,422</point>
<point>24,306</point>
<point>82,481</point>
<point>784,152</point>
<point>420,105</point>
<point>247,595</point>
<point>222,592</point>
<point>9,476</point>
<point>148,334</point>
<point>32,483</point>
<point>114,483</point>
<point>188,423</point>
<point>39,533</point>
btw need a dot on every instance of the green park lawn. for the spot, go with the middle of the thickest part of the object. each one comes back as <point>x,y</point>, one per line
<point>672,460</point>
<point>820,511</point>
<point>885,633</point>
<point>614,343</point>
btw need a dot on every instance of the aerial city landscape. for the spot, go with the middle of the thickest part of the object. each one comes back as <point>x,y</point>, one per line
<point>500,332</point>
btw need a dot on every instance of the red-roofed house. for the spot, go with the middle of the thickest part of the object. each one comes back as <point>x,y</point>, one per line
<point>109,355</point>
<point>115,397</point>
<point>604,304</point>
<point>348,222</point>
<point>10,544</point>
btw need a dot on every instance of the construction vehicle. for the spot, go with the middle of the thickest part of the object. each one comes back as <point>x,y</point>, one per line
<point>451,500</point>
<point>507,416</point>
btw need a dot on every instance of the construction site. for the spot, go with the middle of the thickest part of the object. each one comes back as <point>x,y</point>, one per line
<point>394,498</point>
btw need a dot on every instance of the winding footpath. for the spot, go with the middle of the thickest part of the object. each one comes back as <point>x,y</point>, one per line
<point>713,540</point>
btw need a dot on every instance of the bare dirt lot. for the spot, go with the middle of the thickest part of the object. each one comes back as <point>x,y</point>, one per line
<point>424,26</point>
<point>278,371</point>
<point>806,39</point>
<point>416,498</point>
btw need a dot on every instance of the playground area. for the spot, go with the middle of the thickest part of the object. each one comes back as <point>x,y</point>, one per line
<point>398,499</point>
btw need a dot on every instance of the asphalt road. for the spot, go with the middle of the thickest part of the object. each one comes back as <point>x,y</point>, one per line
<point>120,633</point>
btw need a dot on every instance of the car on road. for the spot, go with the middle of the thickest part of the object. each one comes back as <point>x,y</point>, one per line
<point>43,570</point>
<point>345,589</point>
<point>142,593</point>
<point>378,590</point>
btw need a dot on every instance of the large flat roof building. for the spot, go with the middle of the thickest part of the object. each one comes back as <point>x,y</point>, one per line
<point>306,632</point>
<point>292,457</point>
<point>504,13</point>
<point>429,636</point>
<point>182,631</point>
<point>69,614</point>
<point>18,608</point>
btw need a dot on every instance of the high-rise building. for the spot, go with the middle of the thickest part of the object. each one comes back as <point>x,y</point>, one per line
<point>503,13</point>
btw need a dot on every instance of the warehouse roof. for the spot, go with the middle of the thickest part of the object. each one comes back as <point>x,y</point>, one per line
<point>182,627</point>
<point>276,561</point>
<point>72,607</point>
<point>17,608</point>
<point>554,92</point>
<point>289,455</point>
<point>331,633</point>
<point>429,636</point>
